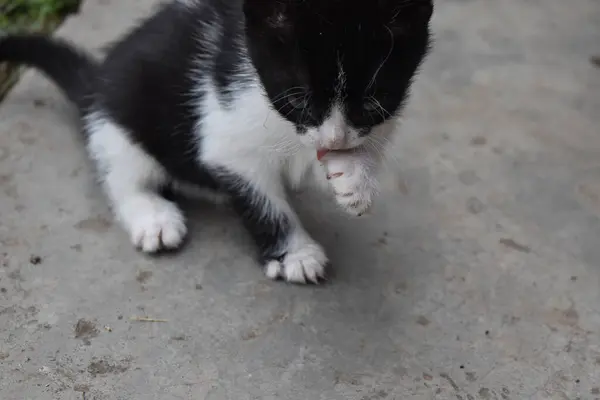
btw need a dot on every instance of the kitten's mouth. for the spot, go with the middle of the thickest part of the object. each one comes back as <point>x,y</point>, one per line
<point>322,152</point>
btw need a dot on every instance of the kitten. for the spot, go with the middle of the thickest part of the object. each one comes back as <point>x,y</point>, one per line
<point>237,97</point>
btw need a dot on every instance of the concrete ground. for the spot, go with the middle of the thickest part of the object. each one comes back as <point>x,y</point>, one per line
<point>476,277</point>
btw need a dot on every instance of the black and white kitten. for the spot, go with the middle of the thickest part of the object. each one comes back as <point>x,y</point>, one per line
<point>237,96</point>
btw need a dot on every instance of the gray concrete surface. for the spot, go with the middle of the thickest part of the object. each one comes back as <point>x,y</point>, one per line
<point>476,277</point>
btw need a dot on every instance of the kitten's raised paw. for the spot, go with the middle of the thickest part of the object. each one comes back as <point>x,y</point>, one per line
<point>304,264</point>
<point>156,224</point>
<point>352,184</point>
<point>353,196</point>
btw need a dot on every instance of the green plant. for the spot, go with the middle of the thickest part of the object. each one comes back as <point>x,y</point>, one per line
<point>30,16</point>
<point>34,15</point>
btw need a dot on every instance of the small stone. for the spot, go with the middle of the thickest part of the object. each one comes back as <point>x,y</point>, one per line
<point>81,388</point>
<point>143,276</point>
<point>512,244</point>
<point>85,330</point>
<point>478,141</point>
<point>471,377</point>
<point>35,260</point>
<point>474,205</point>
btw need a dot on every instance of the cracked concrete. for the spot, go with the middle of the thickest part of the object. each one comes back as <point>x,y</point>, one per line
<point>476,277</point>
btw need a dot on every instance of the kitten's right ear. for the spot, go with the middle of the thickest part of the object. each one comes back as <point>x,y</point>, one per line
<point>269,16</point>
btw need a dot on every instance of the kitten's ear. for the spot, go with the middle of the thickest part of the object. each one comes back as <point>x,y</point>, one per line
<point>269,16</point>
<point>407,14</point>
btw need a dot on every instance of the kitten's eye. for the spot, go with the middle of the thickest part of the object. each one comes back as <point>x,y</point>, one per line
<point>370,106</point>
<point>298,102</point>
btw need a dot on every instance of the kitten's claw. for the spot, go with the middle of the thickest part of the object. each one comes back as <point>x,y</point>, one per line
<point>304,264</point>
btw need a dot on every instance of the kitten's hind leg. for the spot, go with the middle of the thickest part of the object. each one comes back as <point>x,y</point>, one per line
<point>287,251</point>
<point>132,180</point>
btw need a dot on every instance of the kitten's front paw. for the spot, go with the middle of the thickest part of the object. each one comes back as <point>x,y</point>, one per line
<point>304,262</point>
<point>352,183</point>
<point>154,224</point>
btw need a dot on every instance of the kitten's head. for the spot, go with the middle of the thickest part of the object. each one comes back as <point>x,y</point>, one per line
<point>337,69</point>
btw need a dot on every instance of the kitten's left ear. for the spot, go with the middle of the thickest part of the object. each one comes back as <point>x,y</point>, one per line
<point>271,16</point>
<point>408,13</point>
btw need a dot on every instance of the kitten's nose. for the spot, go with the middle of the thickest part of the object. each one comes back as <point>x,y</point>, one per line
<point>337,141</point>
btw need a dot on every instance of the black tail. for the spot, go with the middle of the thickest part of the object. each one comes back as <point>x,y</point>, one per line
<point>71,69</point>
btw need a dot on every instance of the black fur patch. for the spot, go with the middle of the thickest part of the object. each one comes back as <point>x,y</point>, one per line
<point>363,54</point>
<point>146,86</point>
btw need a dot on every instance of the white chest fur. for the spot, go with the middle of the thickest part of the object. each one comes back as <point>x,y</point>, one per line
<point>252,140</point>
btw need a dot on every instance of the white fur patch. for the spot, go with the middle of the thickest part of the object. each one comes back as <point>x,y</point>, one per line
<point>154,222</point>
<point>252,140</point>
<point>304,262</point>
<point>188,3</point>
<point>131,179</point>
<point>334,133</point>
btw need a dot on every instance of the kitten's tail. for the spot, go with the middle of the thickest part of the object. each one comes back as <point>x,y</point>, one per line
<point>71,69</point>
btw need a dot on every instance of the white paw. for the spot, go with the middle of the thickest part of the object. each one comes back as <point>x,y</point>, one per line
<point>302,264</point>
<point>349,175</point>
<point>154,223</point>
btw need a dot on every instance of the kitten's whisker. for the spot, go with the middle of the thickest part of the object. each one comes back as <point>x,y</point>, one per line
<point>287,93</point>
<point>284,145</point>
<point>381,110</point>
<point>380,144</point>
<point>293,88</point>
<point>299,88</point>
<point>306,102</point>
<point>372,82</point>
<point>285,97</point>
<point>284,104</point>
<point>289,112</point>
<point>373,145</point>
